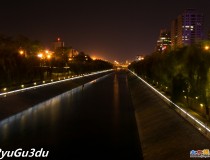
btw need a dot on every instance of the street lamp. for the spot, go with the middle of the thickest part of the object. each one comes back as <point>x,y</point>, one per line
<point>48,56</point>
<point>40,55</point>
<point>21,52</point>
<point>206,47</point>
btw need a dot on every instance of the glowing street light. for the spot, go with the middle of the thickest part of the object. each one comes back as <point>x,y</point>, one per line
<point>116,62</point>
<point>40,55</point>
<point>21,52</point>
<point>206,47</point>
<point>48,56</point>
<point>46,51</point>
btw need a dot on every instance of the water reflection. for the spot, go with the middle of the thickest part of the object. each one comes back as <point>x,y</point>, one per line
<point>116,100</point>
<point>44,114</point>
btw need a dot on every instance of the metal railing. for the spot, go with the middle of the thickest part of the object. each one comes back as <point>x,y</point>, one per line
<point>200,125</point>
<point>53,81</point>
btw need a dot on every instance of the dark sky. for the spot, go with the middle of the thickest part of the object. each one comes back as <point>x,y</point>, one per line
<point>113,30</point>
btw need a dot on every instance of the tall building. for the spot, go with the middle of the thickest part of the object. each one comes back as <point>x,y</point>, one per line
<point>174,34</point>
<point>208,38</point>
<point>164,41</point>
<point>72,53</point>
<point>58,44</point>
<point>139,58</point>
<point>187,29</point>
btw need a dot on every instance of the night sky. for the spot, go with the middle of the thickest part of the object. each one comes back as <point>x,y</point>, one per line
<point>113,30</point>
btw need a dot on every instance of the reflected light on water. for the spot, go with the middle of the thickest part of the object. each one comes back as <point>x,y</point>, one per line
<point>116,99</point>
<point>49,111</point>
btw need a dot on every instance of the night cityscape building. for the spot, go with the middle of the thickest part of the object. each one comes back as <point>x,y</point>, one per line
<point>139,57</point>
<point>208,35</point>
<point>72,53</point>
<point>174,34</point>
<point>164,41</point>
<point>57,44</point>
<point>187,29</point>
<point>68,51</point>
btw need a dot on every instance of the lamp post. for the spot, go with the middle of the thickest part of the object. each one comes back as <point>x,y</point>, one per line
<point>40,56</point>
<point>207,47</point>
<point>22,52</point>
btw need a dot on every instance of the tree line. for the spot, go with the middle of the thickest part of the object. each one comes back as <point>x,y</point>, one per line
<point>183,74</point>
<point>25,67</point>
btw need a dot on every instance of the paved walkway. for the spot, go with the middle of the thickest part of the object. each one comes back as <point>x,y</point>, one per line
<point>163,133</point>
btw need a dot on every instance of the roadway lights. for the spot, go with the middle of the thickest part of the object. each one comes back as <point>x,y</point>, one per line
<point>22,86</point>
<point>43,81</point>
<point>201,105</point>
<point>35,83</point>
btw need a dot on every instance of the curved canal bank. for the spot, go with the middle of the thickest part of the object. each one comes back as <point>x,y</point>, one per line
<point>164,134</point>
<point>17,102</point>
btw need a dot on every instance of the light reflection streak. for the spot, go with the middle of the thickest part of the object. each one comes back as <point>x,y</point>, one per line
<point>116,100</point>
<point>198,122</point>
<point>48,109</point>
<point>51,83</point>
<point>32,116</point>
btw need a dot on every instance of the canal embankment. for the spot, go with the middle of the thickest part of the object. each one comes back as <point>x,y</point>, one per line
<point>163,133</point>
<point>11,104</point>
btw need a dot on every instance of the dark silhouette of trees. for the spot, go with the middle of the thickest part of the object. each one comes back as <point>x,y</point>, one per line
<point>184,72</point>
<point>83,63</point>
<point>19,63</point>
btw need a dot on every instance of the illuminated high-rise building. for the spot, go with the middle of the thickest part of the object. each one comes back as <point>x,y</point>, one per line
<point>174,34</point>
<point>187,29</point>
<point>164,41</point>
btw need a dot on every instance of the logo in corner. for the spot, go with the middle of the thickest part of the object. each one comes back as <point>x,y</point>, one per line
<point>200,153</point>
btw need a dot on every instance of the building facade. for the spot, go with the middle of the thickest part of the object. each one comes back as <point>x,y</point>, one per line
<point>58,44</point>
<point>187,29</point>
<point>164,41</point>
<point>174,34</point>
